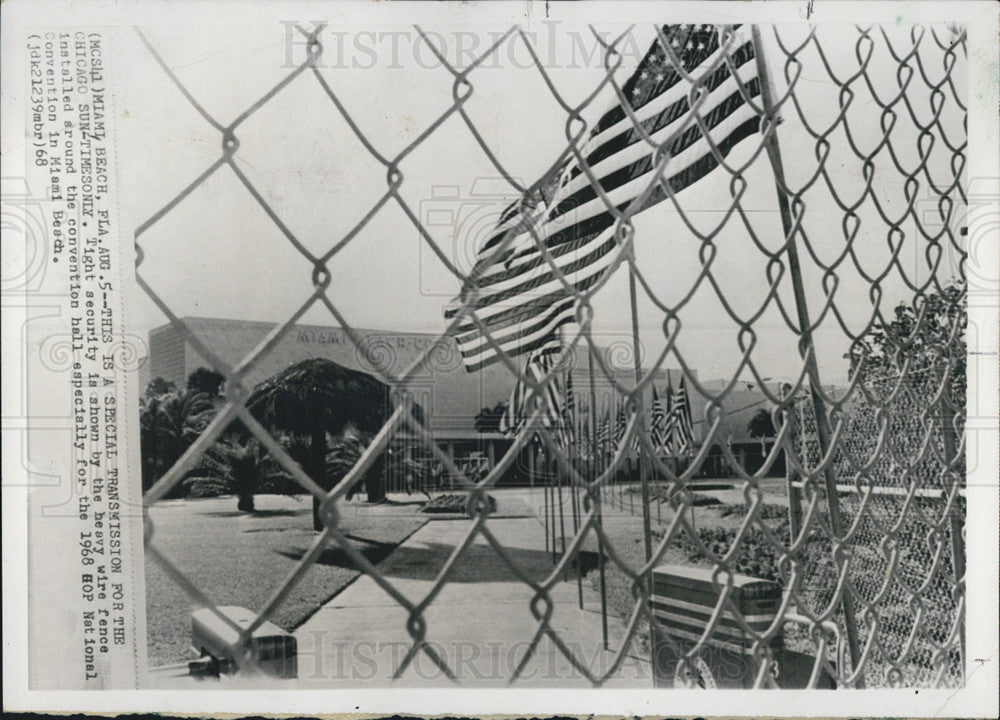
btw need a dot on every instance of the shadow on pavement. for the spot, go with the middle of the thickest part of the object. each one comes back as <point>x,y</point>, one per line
<point>479,563</point>
<point>256,513</point>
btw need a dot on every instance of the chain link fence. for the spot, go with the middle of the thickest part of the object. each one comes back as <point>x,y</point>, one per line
<point>870,557</point>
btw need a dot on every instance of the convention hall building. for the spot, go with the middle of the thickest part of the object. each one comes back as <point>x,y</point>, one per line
<point>450,396</point>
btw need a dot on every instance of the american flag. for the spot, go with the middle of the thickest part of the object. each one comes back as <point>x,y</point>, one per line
<point>634,443</point>
<point>621,423</point>
<point>604,434</point>
<point>537,367</point>
<point>585,447</point>
<point>670,424</point>
<point>567,429</point>
<point>517,295</point>
<point>658,429</point>
<point>683,429</point>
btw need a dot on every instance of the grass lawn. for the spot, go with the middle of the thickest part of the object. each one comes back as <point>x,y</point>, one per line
<point>241,559</point>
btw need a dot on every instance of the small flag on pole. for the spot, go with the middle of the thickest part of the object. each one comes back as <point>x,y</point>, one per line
<point>567,425</point>
<point>683,427</point>
<point>538,365</point>
<point>658,429</point>
<point>670,430</point>
<point>604,434</point>
<point>621,423</point>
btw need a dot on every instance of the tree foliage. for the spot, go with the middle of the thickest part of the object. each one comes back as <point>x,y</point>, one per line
<point>206,381</point>
<point>488,419</point>
<point>320,395</point>
<point>158,386</point>
<point>761,425</point>
<point>316,398</point>
<point>168,423</point>
<point>238,465</point>
<point>903,418</point>
<point>411,467</point>
<point>923,342</point>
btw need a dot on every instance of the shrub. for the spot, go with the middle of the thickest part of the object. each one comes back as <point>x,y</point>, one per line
<point>769,511</point>
<point>455,503</point>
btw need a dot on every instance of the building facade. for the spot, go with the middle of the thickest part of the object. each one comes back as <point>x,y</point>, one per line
<point>450,396</point>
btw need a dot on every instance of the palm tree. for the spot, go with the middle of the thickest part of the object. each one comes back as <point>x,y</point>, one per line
<point>169,424</point>
<point>488,419</point>
<point>239,464</point>
<point>761,426</point>
<point>315,397</point>
<point>410,465</point>
<point>206,381</point>
<point>158,386</point>
<point>149,409</point>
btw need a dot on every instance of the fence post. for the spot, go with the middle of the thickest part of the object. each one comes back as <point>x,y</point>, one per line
<point>792,477</point>
<point>956,525</point>
<point>595,466</point>
<point>640,410</point>
<point>807,346</point>
<point>640,406</point>
<point>547,479</point>
<point>531,463</point>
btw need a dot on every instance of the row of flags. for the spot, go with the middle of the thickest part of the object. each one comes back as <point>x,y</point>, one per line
<point>670,427</point>
<point>678,116</point>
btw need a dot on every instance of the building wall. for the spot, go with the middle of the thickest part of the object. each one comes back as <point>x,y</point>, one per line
<point>450,395</point>
<point>167,351</point>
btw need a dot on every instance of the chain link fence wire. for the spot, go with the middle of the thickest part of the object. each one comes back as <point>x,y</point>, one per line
<point>871,556</point>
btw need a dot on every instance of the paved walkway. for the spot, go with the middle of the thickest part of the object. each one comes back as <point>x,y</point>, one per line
<point>480,623</point>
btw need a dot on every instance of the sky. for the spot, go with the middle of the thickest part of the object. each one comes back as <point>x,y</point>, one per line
<point>217,254</point>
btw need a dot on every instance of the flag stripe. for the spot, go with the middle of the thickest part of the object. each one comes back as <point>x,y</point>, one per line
<point>692,163</point>
<point>670,106</point>
<point>635,159</point>
<point>535,272</point>
<point>521,319</point>
<point>590,211</point>
<point>682,430</point>
<point>658,426</point>
<point>538,338</point>
<point>537,366</point>
<point>541,279</point>
<point>526,331</point>
<point>601,220</point>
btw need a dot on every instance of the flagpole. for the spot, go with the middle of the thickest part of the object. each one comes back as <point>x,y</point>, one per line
<point>556,553</point>
<point>531,473</point>
<point>653,441</point>
<point>598,510</point>
<point>553,470</point>
<point>643,474</point>
<point>621,485</point>
<point>570,404</point>
<point>616,491</point>
<point>806,343</point>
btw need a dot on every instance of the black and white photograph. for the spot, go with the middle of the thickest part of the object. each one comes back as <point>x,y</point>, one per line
<point>526,350</point>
